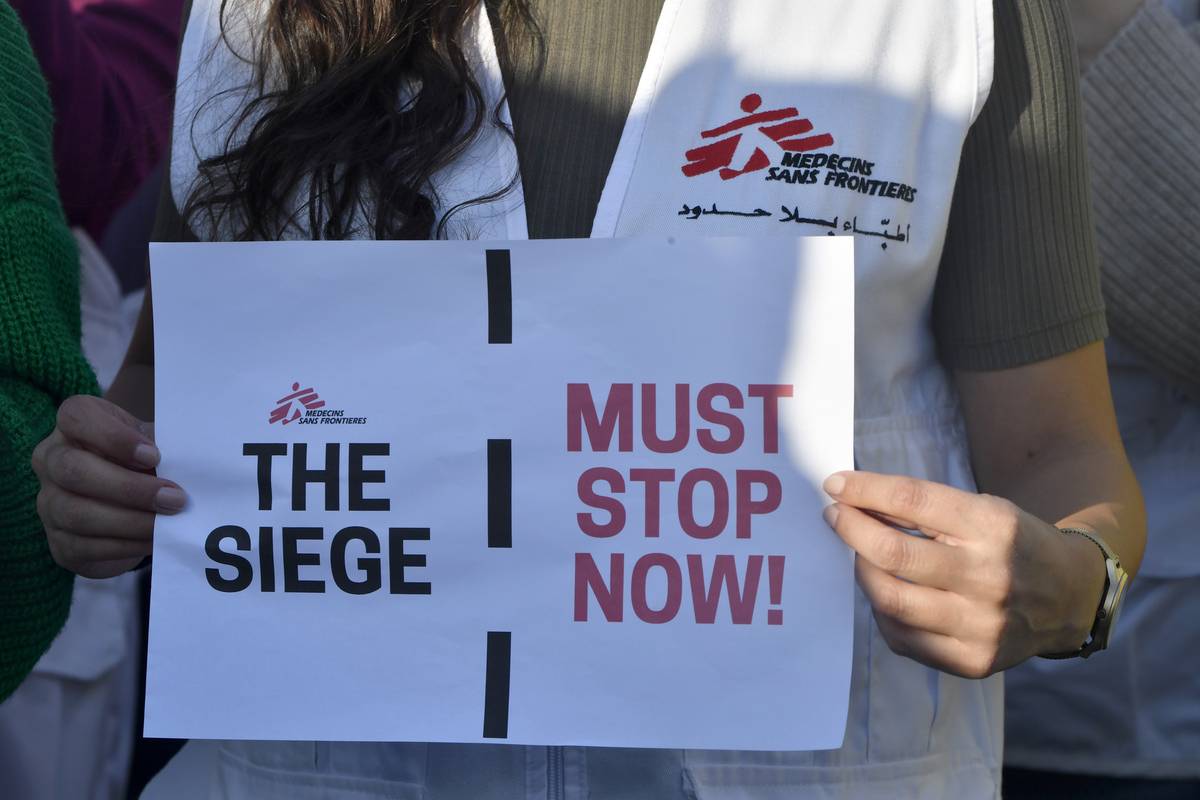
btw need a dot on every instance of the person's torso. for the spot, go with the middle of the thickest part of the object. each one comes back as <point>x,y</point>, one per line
<point>763,118</point>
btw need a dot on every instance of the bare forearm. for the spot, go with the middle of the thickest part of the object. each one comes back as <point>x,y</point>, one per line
<point>133,388</point>
<point>1080,485</point>
<point>1044,437</point>
<point>1096,23</point>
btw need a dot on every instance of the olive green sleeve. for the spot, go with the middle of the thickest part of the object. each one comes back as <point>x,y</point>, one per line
<point>569,115</point>
<point>1019,280</point>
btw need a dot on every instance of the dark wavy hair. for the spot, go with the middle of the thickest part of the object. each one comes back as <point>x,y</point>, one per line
<point>355,105</point>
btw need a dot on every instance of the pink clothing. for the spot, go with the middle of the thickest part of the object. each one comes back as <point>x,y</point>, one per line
<point>110,65</point>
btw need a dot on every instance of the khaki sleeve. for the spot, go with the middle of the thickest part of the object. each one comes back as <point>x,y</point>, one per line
<point>1019,280</point>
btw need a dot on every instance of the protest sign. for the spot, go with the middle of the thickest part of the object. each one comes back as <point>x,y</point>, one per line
<point>556,492</point>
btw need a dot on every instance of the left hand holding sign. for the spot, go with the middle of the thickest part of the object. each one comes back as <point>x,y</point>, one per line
<point>99,493</point>
<point>982,592</point>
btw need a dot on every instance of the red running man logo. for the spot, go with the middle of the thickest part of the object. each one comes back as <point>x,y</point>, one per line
<point>304,397</point>
<point>786,133</point>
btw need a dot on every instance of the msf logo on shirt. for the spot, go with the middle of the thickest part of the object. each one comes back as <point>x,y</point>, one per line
<point>743,144</point>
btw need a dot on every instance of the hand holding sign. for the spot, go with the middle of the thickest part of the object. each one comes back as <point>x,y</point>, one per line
<point>99,494</point>
<point>982,592</point>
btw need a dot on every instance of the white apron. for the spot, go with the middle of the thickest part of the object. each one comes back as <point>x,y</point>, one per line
<point>752,117</point>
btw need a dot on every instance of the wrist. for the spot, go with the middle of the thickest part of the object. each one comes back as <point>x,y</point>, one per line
<point>1085,575</point>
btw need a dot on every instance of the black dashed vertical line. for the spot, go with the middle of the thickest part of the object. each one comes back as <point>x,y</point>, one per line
<point>496,685</point>
<point>499,492</point>
<point>499,289</point>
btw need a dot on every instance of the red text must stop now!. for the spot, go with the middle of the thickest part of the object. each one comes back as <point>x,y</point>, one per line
<point>707,502</point>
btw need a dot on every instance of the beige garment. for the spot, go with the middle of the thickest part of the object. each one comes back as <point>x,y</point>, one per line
<point>1141,99</point>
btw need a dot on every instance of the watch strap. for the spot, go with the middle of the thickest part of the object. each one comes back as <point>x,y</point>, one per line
<point>1115,581</point>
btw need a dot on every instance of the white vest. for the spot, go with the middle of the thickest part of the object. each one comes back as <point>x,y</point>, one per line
<point>857,115</point>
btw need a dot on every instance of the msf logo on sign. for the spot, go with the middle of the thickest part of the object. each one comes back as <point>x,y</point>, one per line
<point>291,404</point>
<point>307,408</point>
<point>753,137</point>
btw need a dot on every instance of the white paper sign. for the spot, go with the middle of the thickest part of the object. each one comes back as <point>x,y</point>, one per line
<point>555,492</point>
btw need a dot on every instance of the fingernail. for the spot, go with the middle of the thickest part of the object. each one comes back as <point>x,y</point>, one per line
<point>835,483</point>
<point>146,455</point>
<point>831,514</point>
<point>170,500</point>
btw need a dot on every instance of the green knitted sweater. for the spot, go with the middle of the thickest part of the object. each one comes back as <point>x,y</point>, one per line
<point>41,362</point>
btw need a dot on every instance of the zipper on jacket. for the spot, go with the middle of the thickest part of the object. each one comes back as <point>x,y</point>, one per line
<point>556,780</point>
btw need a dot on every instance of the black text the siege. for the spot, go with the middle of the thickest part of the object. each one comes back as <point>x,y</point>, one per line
<point>354,552</point>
